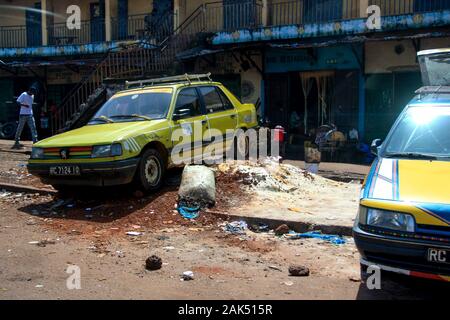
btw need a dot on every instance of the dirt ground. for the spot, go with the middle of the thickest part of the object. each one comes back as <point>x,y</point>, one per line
<point>40,236</point>
<point>37,246</point>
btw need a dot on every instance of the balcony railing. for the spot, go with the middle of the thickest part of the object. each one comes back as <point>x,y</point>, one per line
<point>317,11</point>
<point>128,29</point>
<point>13,36</point>
<point>216,16</point>
<point>230,17</point>
<point>89,32</point>
<point>143,26</point>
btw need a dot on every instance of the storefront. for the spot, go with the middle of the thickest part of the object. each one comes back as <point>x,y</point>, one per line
<point>308,88</point>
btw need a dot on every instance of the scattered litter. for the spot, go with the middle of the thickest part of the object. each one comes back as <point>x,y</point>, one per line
<point>44,243</point>
<point>39,286</point>
<point>260,227</point>
<point>59,203</point>
<point>188,213</point>
<point>187,276</point>
<point>153,263</point>
<point>134,233</point>
<point>298,210</point>
<point>236,227</point>
<point>275,268</point>
<point>334,239</point>
<point>120,254</point>
<point>33,242</point>
<point>169,248</point>
<point>31,222</point>
<point>289,283</point>
<point>281,230</point>
<point>298,271</point>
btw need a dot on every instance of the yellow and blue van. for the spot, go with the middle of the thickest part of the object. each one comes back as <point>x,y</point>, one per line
<point>403,224</point>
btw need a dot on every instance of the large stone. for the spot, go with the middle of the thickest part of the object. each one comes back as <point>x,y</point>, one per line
<point>281,230</point>
<point>198,186</point>
<point>298,271</point>
<point>153,263</point>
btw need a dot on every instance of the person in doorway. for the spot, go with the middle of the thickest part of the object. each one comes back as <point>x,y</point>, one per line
<point>294,125</point>
<point>25,101</point>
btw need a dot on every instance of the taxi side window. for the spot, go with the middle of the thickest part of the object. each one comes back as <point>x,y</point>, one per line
<point>226,102</point>
<point>189,99</point>
<point>212,99</point>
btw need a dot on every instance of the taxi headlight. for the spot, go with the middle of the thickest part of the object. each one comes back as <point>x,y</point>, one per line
<point>106,151</point>
<point>37,153</point>
<point>390,220</point>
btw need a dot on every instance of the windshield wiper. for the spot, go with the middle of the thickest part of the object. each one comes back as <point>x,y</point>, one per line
<point>133,116</point>
<point>411,155</point>
<point>102,118</point>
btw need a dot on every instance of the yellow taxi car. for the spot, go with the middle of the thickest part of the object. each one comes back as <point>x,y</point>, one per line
<point>403,224</point>
<point>130,138</point>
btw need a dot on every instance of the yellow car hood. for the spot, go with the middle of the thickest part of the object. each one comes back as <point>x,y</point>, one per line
<point>99,134</point>
<point>422,184</point>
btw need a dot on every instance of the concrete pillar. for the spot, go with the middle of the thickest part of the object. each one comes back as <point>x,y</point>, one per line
<point>363,5</point>
<point>108,20</point>
<point>176,13</point>
<point>44,22</point>
<point>265,13</point>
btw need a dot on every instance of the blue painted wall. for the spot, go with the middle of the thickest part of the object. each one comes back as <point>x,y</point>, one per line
<point>344,27</point>
<point>326,58</point>
<point>66,50</point>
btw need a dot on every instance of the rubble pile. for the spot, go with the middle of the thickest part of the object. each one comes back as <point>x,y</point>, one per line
<point>269,175</point>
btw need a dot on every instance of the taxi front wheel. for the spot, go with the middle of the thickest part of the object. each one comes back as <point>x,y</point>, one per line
<point>151,170</point>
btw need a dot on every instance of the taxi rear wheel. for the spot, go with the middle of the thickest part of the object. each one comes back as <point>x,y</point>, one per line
<point>151,170</point>
<point>241,147</point>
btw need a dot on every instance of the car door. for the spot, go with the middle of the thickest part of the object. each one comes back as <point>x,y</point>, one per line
<point>188,130</point>
<point>220,113</point>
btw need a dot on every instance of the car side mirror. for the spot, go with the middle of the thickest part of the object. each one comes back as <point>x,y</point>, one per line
<point>375,146</point>
<point>181,113</point>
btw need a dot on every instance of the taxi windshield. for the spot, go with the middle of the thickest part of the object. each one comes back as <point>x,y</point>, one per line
<point>148,105</point>
<point>421,133</point>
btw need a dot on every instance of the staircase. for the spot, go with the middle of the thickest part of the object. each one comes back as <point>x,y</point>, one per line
<point>148,57</point>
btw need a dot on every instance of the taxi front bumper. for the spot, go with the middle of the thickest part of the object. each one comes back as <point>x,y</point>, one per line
<point>91,174</point>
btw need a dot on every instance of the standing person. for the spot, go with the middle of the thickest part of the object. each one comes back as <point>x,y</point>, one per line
<point>26,116</point>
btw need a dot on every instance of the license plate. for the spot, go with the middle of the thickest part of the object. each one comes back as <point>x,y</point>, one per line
<point>65,171</point>
<point>438,256</point>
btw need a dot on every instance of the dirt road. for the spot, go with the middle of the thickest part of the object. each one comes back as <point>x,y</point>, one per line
<point>251,266</point>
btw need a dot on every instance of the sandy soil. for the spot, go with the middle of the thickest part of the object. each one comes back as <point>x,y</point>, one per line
<point>40,236</point>
<point>35,251</point>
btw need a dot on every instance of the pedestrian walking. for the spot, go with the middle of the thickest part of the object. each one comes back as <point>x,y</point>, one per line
<point>25,101</point>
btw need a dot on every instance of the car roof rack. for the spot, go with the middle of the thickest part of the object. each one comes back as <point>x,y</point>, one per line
<point>182,78</point>
<point>433,90</point>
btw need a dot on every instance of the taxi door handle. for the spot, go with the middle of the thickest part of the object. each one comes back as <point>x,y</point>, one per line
<point>233,116</point>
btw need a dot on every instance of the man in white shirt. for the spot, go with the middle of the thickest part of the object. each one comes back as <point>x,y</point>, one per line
<point>25,101</point>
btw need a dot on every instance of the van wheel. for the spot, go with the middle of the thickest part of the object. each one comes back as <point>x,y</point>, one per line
<point>151,170</point>
<point>241,147</point>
